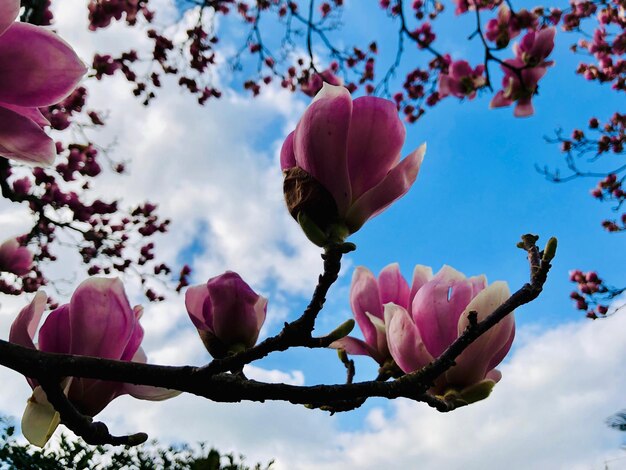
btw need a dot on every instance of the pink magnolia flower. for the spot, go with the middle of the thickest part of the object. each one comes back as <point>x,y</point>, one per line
<point>227,313</point>
<point>461,80</point>
<point>315,82</point>
<point>98,322</point>
<point>37,68</point>
<point>438,314</point>
<point>367,299</point>
<point>518,91</point>
<point>501,29</point>
<point>342,163</point>
<point>522,74</point>
<point>535,47</point>
<point>15,258</point>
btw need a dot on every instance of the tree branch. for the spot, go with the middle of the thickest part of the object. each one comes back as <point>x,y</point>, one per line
<point>213,383</point>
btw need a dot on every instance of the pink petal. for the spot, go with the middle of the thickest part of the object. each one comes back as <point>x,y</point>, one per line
<point>287,158</point>
<point>474,363</point>
<point>375,140</point>
<point>444,85</point>
<point>524,108</point>
<point>195,299</point>
<point>437,307</point>
<point>478,283</point>
<point>134,343</point>
<point>421,275</point>
<point>54,335</point>
<point>25,324</point>
<point>37,68</point>
<point>146,392</point>
<point>356,347</point>
<point>9,9</point>
<point>500,101</point>
<point>460,69</point>
<point>364,299</point>
<point>381,336</point>
<point>504,350</point>
<point>238,311</point>
<point>31,113</point>
<point>532,76</point>
<point>91,396</point>
<point>403,338</point>
<point>101,319</point>
<point>23,140</point>
<point>395,185</point>
<point>393,287</point>
<point>320,142</point>
<point>494,375</point>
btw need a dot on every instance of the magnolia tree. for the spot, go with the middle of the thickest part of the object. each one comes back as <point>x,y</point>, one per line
<point>300,45</point>
<point>437,339</point>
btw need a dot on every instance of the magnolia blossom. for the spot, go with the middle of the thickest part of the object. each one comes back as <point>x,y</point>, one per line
<point>522,74</point>
<point>315,82</point>
<point>461,80</point>
<point>437,315</point>
<point>37,68</point>
<point>342,163</point>
<point>15,258</point>
<point>518,91</point>
<point>227,313</point>
<point>98,322</point>
<point>501,29</point>
<point>535,47</point>
<point>367,299</point>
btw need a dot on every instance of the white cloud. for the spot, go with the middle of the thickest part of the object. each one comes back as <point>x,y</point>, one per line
<point>212,168</point>
<point>548,412</point>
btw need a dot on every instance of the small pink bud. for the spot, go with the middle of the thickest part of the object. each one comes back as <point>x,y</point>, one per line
<point>15,258</point>
<point>227,313</point>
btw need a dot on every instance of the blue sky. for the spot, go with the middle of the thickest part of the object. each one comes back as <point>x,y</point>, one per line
<point>214,171</point>
<point>478,189</point>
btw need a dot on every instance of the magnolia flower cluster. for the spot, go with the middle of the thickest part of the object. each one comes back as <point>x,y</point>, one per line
<point>38,69</point>
<point>413,325</point>
<point>521,74</point>
<point>342,166</point>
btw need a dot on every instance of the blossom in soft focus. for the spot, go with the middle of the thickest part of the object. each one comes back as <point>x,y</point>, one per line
<point>15,258</point>
<point>342,163</point>
<point>436,317</point>
<point>368,296</point>
<point>535,47</point>
<point>37,68</point>
<point>227,313</point>
<point>461,80</point>
<point>501,29</point>
<point>316,80</point>
<point>518,91</point>
<point>98,322</point>
<point>522,74</point>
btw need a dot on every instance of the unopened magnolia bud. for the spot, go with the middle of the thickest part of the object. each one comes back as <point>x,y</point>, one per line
<point>342,330</point>
<point>550,250</point>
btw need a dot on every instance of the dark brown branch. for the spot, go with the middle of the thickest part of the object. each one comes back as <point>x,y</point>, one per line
<point>210,382</point>
<point>93,432</point>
